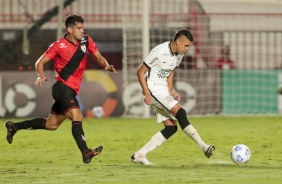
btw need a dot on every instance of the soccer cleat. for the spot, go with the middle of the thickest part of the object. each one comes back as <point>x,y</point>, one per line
<point>10,131</point>
<point>89,154</point>
<point>141,160</point>
<point>208,151</point>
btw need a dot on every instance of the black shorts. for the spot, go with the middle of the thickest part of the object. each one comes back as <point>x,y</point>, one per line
<point>65,98</point>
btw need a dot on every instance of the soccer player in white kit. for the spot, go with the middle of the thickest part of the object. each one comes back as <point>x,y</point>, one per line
<point>155,76</point>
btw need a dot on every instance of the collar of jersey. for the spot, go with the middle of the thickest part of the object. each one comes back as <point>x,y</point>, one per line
<point>71,41</point>
<point>169,47</point>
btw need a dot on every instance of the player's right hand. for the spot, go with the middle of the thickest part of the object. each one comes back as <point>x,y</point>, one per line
<point>40,80</point>
<point>111,68</point>
<point>148,99</point>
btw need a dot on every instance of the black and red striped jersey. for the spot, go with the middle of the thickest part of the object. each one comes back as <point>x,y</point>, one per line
<point>70,59</point>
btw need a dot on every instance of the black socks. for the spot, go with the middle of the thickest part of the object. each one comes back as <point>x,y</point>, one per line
<point>32,124</point>
<point>78,135</point>
<point>168,131</point>
<point>182,119</point>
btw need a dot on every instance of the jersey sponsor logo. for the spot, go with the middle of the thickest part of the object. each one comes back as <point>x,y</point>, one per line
<point>155,59</point>
<point>164,73</point>
<point>63,45</point>
<point>83,40</point>
<point>83,48</point>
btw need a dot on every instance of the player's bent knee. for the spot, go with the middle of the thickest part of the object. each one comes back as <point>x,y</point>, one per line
<point>52,128</point>
<point>182,119</point>
<point>168,131</point>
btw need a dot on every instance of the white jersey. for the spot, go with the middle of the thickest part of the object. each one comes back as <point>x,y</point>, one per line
<point>161,62</point>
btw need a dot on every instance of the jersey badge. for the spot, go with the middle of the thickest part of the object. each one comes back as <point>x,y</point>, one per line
<point>83,48</point>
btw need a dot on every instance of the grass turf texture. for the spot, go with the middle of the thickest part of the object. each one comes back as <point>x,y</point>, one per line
<point>40,156</point>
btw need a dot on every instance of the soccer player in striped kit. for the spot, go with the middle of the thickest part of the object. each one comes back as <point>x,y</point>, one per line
<point>69,56</point>
<point>155,76</point>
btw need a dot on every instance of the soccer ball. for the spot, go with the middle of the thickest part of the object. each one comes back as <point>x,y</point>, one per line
<point>240,153</point>
<point>98,111</point>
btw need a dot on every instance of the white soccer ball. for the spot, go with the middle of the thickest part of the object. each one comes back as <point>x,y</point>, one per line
<point>240,153</point>
<point>98,111</point>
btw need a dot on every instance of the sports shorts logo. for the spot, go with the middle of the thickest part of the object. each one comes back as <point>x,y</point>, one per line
<point>169,98</point>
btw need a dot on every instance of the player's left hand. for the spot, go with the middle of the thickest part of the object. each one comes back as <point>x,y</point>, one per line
<point>111,68</point>
<point>175,95</point>
<point>39,81</point>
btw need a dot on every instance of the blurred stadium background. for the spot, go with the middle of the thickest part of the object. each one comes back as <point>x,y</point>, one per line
<point>249,32</point>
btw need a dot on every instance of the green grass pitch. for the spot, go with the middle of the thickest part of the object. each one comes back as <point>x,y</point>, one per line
<point>40,156</point>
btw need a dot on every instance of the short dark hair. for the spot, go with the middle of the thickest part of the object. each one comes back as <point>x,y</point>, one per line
<point>183,32</point>
<point>71,20</point>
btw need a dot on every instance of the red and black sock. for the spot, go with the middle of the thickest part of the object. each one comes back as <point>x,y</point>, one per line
<point>78,135</point>
<point>32,124</point>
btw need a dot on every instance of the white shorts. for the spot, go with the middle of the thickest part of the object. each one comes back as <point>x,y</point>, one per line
<point>162,102</point>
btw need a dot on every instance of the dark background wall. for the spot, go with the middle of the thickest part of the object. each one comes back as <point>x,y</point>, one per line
<point>109,43</point>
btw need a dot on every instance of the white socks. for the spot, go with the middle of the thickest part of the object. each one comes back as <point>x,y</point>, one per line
<point>154,142</point>
<point>158,139</point>
<point>193,134</point>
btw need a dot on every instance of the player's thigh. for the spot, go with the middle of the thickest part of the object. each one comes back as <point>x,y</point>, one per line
<point>75,114</point>
<point>162,99</point>
<point>170,122</point>
<point>54,121</point>
<point>175,109</point>
<point>162,114</point>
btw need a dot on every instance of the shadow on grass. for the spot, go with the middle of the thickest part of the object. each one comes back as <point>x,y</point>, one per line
<point>205,166</point>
